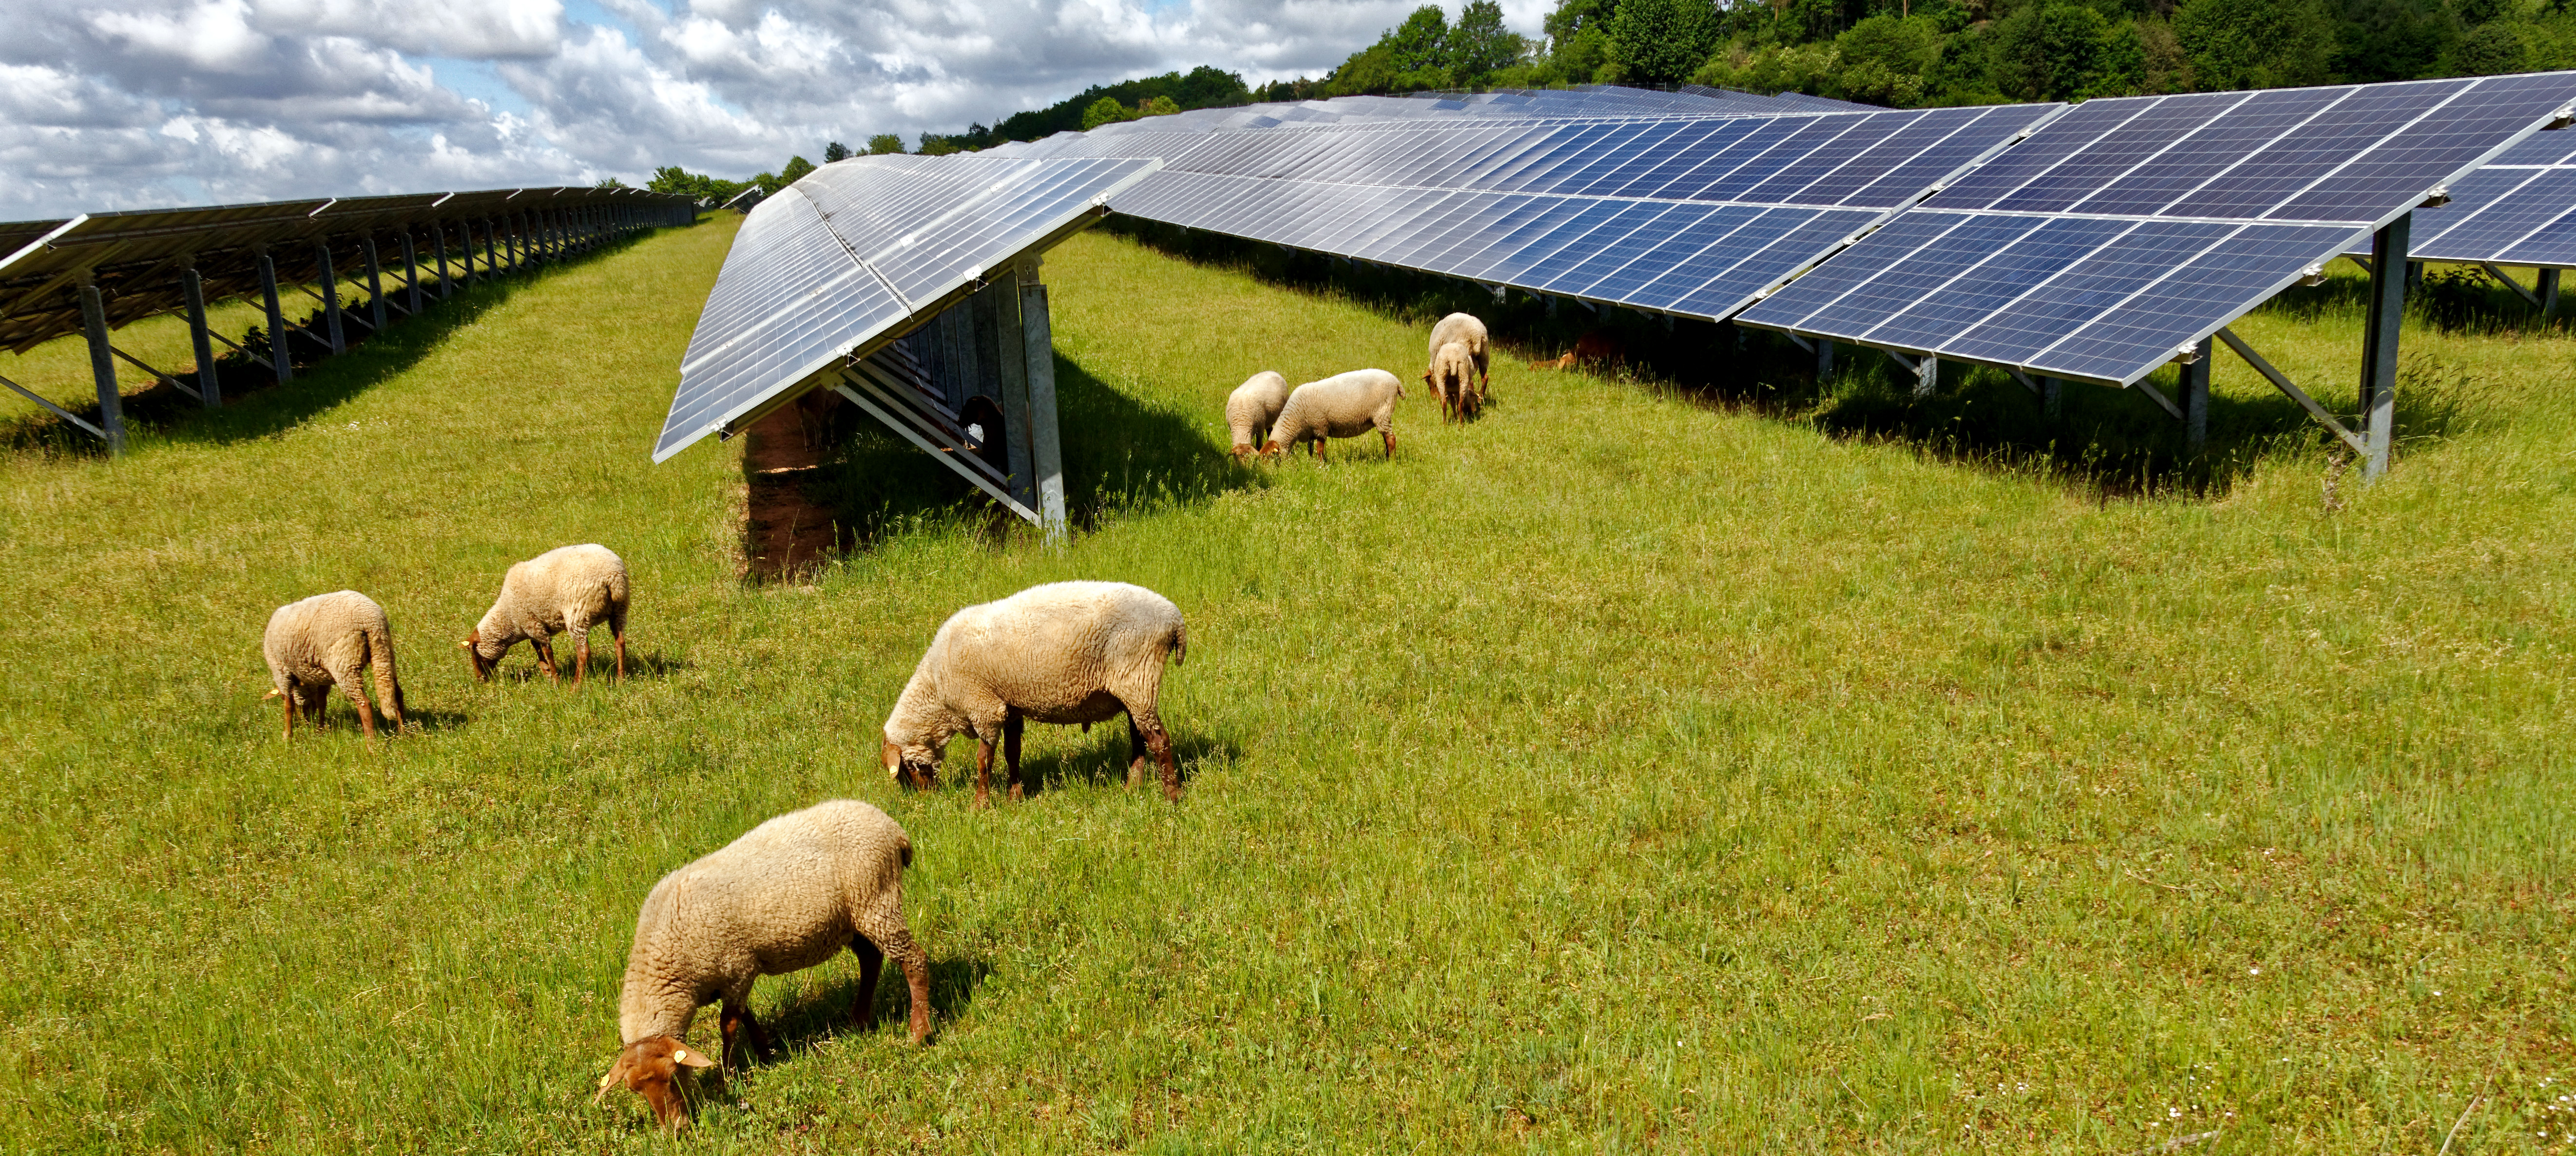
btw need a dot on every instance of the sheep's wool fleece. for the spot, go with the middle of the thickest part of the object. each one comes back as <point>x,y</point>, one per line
<point>1065,652</point>
<point>314,641</point>
<point>569,588</point>
<point>1462,328</point>
<point>1343,405</point>
<point>1255,405</point>
<point>784,897</point>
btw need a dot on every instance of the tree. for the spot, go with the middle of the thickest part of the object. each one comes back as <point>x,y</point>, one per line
<point>1105,110</point>
<point>674,180</point>
<point>835,151</point>
<point>1883,58</point>
<point>2489,50</point>
<point>1480,46</point>
<point>1420,44</point>
<point>884,144</point>
<point>1663,41</point>
<point>2255,43</point>
<point>1159,106</point>
<point>2390,39</point>
<point>794,171</point>
<point>2065,51</point>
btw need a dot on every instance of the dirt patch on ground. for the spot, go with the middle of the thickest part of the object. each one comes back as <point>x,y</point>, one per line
<point>785,532</point>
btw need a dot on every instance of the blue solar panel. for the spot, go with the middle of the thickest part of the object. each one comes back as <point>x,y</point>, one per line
<point>2129,229</point>
<point>1685,215</point>
<point>2519,210</point>
<point>846,256</point>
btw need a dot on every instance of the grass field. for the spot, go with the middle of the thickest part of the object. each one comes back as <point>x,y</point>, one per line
<point>1638,768</point>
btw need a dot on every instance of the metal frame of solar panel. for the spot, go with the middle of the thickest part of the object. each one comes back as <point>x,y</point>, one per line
<point>2518,210</point>
<point>830,272</point>
<point>1686,216</point>
<point>100,272</point>
<point>2129,232</point>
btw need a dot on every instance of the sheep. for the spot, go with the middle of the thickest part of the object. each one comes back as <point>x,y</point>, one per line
<point>569,588</point>
<point>1343,405</point>
<point>1253,408</point>
<point>322,642</point>
<point>1464,329</point>
<point>1065,652</point>
<point>785,897</point>
<point>1594,347</point>
<point>1453,380</point>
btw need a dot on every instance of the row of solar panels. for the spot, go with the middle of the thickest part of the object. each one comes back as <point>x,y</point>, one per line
<point>2090,242</point>
<point>136,258</point>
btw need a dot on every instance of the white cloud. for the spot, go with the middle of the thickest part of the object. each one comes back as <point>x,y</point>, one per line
<point>110,104</point>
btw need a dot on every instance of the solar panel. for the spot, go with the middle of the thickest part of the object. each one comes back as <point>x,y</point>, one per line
<point>2130,229</point>
<point>1693,216</point>
<point>2519,210</point>
<point>857,253</point>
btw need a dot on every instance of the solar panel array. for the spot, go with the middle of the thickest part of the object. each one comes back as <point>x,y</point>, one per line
<point>136,257</point>
<point>856,253</point>
<point>2518,210</point>
<point>2129,229</point>
<point>1685,215</point>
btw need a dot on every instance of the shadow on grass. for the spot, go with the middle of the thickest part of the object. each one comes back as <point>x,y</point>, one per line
<point>2109,442</point>
<point>1120,455</point>
<point>256,405</point>
<point>826,1014</point>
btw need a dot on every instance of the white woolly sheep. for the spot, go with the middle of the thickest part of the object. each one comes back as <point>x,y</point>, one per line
<point>1341,406</point>
<point>322,642</point>
<point>1466,330</point>
<point>1065,652</point>
<point>570,588</point>
<point>1252,409</point>
<point>785,897</point>
<point>1453,380</point>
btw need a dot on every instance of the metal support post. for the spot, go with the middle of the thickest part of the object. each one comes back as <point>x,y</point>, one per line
<point>2414,275</point>
<point>438,245</point>
<point>2380,322</point>
<point>2052,396</point>
<point>330,298</point>
<point>199,339</point>
<point>1046,445</point>
<point>1824,358</point>
<point>278,357</point>
<point>2549,294</point>
<point>465,250</point>
<point>1000,342</point>
<point>411,272</point>
<point>2195,398</point>
<point>102,366</point>
<point>1927,375</point>
<point>375,287</point>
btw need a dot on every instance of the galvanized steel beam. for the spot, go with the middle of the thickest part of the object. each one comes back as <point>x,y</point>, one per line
<point>279,359</point>
<point>2381,321</point>
<point>210,389</point>
<point>1046,444</point>
<point>102,367</point>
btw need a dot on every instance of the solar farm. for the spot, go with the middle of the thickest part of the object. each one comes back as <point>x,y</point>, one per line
<point>2023,628</point>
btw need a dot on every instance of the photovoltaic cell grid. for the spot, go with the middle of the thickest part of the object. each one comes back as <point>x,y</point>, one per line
<point>2127,230</point>
<point>1691,216</point>
<point>2519,210</point>
<point>847,257</point>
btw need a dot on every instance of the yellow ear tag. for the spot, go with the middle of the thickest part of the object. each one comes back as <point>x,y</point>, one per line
<point>681,1054</point>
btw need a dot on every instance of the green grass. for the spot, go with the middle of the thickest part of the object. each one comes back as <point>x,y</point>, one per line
<point>1637,768</point>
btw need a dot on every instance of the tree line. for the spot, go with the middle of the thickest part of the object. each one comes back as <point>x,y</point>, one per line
<point>1897,53</point>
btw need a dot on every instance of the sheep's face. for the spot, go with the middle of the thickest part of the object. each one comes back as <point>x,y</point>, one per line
<point>650,1068</point>
<point>917,764</point>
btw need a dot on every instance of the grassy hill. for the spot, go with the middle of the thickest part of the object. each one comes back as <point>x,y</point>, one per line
<point>1627,770</point>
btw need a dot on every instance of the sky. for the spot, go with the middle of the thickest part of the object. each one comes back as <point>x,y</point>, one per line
<point>126,104</point>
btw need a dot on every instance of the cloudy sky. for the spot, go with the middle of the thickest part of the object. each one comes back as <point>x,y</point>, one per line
<point>115,104</point>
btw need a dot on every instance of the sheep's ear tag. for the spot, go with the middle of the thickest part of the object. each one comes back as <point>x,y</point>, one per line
<point>693,1059</point>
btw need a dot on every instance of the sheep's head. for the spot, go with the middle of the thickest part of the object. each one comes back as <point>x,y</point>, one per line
<point>650,1067</point>
<point>473,648</point>
<point>914,763</point>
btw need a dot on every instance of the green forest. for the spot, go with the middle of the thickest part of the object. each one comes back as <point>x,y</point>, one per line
<point>1875,51</point>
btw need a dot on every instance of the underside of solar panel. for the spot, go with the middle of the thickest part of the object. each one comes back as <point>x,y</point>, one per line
<point>858,253</point>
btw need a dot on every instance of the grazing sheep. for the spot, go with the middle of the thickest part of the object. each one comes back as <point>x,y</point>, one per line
<point>570,588</point>
<point>787,896</point>
<point>1453,381</point>
<point>1595,347</point>
<point>1342,406</point>
<point>1253,408</point>
<point>1065,652</point>
<point>1464,329</point>
<point>322,642</point>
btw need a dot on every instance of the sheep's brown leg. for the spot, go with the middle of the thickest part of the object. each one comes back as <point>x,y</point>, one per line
<point>743,1034</point>
<point>545,648</point>
<point>286,706</point>
<point>621,654</point>
<point>1161,743</point>
<point>1011,752</point>
<point>581,660</point>
<point>983,772</point>
<point>1135,753</point>
<point>1389,436</point>
<point>916,974</point>
<point>366,716</point>
<point>863,1011</point>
